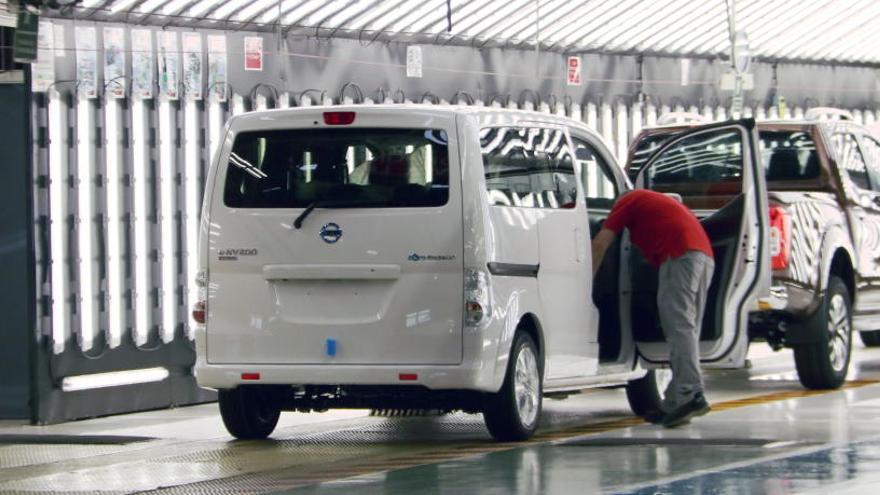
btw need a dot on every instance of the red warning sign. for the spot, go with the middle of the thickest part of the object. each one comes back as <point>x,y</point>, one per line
<point>573,67</point>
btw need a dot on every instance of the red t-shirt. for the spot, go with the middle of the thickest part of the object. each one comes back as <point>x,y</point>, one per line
<point>659,225</point>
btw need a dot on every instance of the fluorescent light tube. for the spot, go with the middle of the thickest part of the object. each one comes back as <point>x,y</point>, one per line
<point>85,123</point>
<point>58,170</point>
<point>140,223</point>
<point>114,165</point>
<point>192,179</point>
<point>113,379</point>
<point>167,205</point>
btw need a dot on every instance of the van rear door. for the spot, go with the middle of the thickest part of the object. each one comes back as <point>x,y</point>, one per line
<point>717,172</point>
<point>337,242</point>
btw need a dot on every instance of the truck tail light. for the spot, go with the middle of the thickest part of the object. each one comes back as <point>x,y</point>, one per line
<point>780,237</point>
<point>338,118</point>
<point>476,296</point>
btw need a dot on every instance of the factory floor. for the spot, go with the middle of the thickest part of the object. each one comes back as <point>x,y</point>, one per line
<point>766,434</point>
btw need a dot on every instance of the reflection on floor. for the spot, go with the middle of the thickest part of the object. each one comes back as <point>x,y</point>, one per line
<point>766,435</point>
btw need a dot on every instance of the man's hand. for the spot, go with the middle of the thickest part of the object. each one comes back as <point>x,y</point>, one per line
<point>600,244</point>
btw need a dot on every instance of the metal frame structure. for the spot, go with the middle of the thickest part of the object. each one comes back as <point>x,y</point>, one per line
<point>819,31</point>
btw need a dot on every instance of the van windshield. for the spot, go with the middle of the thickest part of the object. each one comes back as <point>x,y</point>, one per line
<point>379,168</point>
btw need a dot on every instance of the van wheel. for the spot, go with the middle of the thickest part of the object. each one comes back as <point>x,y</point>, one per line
<point>823,364</point>
<point>248,412</point>
<point>645,395</point>
<point>513,412</point>
<point>870,338</point>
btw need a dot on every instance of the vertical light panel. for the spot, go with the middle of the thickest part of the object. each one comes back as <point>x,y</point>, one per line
<point>192,179</point>
<point>284,100</point>
<point>58,220</point>
<point>215,126</point>
<point>721,113</point>
<point>606,124</point>
<point>140,222</point>
<point>637,115</point>
<point>115,263</point>
<point>167,196</point>
<point>591,117</point>
<point>650,114</point>
<point>237,105</point>
<point>260,103</point>
<point>85,164</point>
<point>621,132</point>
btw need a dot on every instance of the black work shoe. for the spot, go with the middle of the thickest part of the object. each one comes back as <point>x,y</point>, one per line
<point>655,417</point>
<point>683,414</point>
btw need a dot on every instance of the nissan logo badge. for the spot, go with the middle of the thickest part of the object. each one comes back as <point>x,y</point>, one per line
<point>331,233</point>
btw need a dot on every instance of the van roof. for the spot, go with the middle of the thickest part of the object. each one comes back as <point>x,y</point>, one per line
<point>485,114</point>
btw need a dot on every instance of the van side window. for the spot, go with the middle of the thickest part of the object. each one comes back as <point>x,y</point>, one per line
<point>599,185</point>
<point>872,150</point>
<point>528,167</point>
<point>377,168</point>
<point>851,160</point>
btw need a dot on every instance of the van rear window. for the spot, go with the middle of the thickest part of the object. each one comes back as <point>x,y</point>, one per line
<point>379,168</point>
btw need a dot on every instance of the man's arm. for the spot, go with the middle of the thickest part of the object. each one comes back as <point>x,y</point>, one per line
<point>600,244</point>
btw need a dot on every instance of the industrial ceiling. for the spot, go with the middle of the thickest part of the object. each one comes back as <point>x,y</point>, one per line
<point>821,31</point>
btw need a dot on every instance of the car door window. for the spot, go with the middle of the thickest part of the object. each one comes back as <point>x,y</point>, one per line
<point>851,159</point>
<point>872,153</point>
<point>600,188</point>
<point>705,169</point>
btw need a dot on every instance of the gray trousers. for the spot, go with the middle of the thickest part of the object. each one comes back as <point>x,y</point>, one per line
<point>681,300</point>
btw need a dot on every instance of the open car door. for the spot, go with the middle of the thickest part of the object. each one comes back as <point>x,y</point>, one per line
<point>717,172</point>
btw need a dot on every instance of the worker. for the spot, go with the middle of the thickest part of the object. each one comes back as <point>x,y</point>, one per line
<point>672,240</point>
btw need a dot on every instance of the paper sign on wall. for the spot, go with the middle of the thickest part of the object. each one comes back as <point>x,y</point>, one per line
<point>43,68</point>
<point>573,71</point>
<point>413,61</point>
<point>253,53</point>
<point>169,65</point>
<point>217,67</point>
<point>192,65</point>
<point>114,61</point>
<point>86,61</point>
<point>142,63</point>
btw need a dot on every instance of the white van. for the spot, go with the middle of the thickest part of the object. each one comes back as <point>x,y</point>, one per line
<point>410,256</point>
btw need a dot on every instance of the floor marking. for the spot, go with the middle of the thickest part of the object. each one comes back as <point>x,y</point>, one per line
<point>379,465</point>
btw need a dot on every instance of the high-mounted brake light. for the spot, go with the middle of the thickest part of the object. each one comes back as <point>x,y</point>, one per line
<point>338,118</point>
<point>780,237</point>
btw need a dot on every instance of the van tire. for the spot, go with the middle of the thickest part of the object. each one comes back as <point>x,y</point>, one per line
<point>248,412</point>
<point>870,338</point>
<point>824,364</point>
<point>645,395</point>
<point>501,411</point>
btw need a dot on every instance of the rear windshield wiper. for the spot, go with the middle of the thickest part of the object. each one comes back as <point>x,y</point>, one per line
<point>351,203</point>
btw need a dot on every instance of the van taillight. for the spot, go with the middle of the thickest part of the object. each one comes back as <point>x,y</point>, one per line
<point>780,237</point>
<point>476,297</point>
<point>338,118</point>
<point>198,312</point>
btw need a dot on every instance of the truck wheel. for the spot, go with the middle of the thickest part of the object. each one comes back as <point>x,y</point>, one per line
<point>823,364</point>
<point>645,395</point>
<point>248,412</point>
<point>870,338</point>
<point>513,412</point>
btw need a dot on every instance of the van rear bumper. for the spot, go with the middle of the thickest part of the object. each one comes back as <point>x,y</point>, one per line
<point>437,377</point>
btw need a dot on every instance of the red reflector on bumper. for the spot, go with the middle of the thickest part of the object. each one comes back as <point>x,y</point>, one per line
<point>408,377</point>
<point>250,376</point>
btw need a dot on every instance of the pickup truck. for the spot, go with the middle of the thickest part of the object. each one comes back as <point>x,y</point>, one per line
<point>821,188</point>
